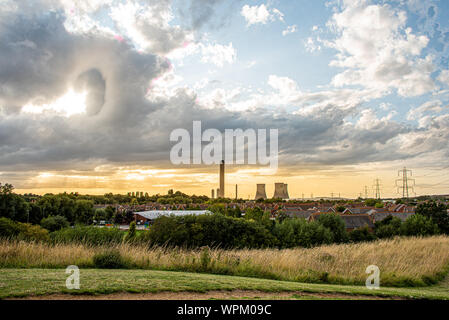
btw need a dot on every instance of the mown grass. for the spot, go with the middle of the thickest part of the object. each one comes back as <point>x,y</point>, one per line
<point>402,261</point>
<point>26,282</point>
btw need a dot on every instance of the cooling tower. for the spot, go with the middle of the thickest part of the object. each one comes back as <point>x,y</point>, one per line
<point>280,191</point>
<point>261,194</point>
<point>285,192</point>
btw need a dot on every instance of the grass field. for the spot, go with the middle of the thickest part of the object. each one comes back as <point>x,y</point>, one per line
<point>36,282</point>
<point>402,261</point>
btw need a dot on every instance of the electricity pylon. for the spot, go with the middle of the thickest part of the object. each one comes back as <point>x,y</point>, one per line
<point>377,187</point>
<point>405,183</point>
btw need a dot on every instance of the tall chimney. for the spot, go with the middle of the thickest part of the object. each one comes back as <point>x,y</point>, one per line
<point>222,182</point>
<point>212,194</point>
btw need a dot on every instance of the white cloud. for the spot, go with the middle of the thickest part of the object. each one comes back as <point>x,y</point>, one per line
<point>201,84</point>
<point>165,85</point>
<point>218,54</point>
<point>285,85</point>
<point>148,26</point>
<point>434,106</point>
<point>279,14</point>
<point>221,98</point>
<point>260,14</point>
<point>312,45</point>
<point>385,106</point>
<point>444,77</point>
<point>377,50</point>
<point>290,29</point>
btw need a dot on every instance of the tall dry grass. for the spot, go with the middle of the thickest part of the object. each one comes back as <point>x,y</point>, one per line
<point>402,261</point>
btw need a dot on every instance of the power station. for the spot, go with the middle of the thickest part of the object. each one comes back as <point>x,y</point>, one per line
<point>260,193</point>
<point>280,191</point>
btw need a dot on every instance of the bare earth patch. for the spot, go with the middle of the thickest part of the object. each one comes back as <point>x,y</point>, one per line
<point>221,295</point>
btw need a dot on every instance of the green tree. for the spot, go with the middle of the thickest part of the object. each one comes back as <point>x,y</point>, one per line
<point>217,208</point>
<point>437,212</point>
<point>336,225</point>
<point>13,206</point>
<point>362,234</point>
<point>372,202</point>
<point>109,211</point>
<point>118,217</point>
<point>300,233</point>
<point>84,211</point>
<point>54,223</point>
<point>131,235</point>
<point>419,225</point>
<point>388,227</point>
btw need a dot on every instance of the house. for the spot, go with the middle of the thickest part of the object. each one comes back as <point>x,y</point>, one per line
<point>352,221</point>
<point>401,208</point>
<point>379,216</point>
<point>358,210</point>
<point>298,214</point>
<point>355,221</point>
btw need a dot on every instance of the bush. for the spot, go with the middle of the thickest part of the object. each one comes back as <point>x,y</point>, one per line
<point>209,230</point>
<point>131,235</point>
<point>437,212</point>
<point>8,228</point>
<point>419,225</point>
<point>362,234</point>
<point>388,227</point>
<point>336,225</point>
<point>88,235</point>
<point>110,259</point>
<point>54,223</point>
<point>298,232</point>
<point>22,231</point>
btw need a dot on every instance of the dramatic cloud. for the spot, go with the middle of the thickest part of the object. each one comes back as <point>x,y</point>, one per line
<point>94,88</point>
<point>147,25</point>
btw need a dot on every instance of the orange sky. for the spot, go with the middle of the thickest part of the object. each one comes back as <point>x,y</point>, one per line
<point>348,181</point>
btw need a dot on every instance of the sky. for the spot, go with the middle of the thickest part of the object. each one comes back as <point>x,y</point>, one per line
<point>91,90</point>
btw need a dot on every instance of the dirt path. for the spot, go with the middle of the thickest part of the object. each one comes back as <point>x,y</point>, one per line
<point>223,295</point>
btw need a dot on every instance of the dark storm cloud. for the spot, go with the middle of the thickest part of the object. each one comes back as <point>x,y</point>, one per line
<point>93,83</point>
<point>41,60</point>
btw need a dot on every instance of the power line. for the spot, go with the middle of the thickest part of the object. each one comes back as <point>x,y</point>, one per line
<point>436,184</point>
<point>432,173</point>
<point>405,183</point>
